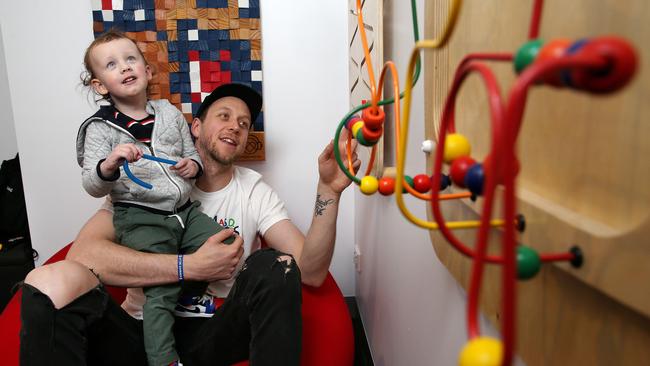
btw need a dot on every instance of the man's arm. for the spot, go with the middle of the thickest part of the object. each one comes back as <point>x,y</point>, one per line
<point>314,251</point>
<point>118,265</point>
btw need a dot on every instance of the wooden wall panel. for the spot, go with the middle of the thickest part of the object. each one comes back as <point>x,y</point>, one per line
<point>584,177</point>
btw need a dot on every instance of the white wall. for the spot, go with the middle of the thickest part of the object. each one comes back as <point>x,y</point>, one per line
<point>305,91</point>
<point>413,310</point>
<point>44,43</point>
<point>305,96</point>
<point>8,144</point>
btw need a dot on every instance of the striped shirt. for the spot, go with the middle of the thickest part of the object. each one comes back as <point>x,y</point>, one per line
<point>140,129</point>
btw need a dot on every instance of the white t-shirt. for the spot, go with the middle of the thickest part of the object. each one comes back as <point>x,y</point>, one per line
<point>247,205</point>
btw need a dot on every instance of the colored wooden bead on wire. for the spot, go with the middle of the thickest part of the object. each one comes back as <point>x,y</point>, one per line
<point>445,181</point>
<point>528,263</point>
<point>481,351</point>
<point>369,185</point>
<point>373,117</point>
<point>459,168</point>
<point>409,181</point>
<point>386,186</point>
<point>553,49</point>
<point>351,121</point>
<point>456,145</point>
<point>371,135</point>
<point>526,54</point>
<point>475,178</point>
<point>362,140</point>
<point>572,49</point>
<point>356,127</point>
<point>422,183</point>
<point>621,63</point>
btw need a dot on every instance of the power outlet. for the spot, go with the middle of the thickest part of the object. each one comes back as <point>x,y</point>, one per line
<point>357,258</point>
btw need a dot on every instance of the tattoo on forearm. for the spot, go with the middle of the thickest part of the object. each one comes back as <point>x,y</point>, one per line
<point>321,205</point>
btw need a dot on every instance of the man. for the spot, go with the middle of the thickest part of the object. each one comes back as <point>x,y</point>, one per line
<point>69,319</point>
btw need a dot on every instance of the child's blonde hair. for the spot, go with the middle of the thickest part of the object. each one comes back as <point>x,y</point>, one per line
<point>88,74</point>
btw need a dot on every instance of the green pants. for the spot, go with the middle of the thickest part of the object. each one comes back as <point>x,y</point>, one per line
<point>158,233</point>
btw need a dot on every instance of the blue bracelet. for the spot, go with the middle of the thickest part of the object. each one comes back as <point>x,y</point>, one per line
<point>180,268</point>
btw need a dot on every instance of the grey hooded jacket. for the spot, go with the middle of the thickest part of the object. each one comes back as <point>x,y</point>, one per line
<point>170,139</point>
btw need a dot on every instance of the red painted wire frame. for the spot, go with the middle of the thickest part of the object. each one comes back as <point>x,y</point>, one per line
<point>485,56</point>
<point>513,118</point>
<point>451,128</point>
<point>447,122</point>
<point>535,19</point>
<point>497,113</point>
<point>509,237</point>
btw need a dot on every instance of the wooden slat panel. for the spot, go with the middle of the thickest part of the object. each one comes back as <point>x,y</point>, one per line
<point>583,181</point>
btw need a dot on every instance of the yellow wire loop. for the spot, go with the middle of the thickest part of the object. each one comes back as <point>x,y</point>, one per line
<point>401,156</point>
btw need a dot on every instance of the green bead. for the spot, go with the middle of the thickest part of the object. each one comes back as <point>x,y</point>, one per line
<point>527,54</point>
<point>362,140</point>
<point>409,181</point>
<point>528,263</point>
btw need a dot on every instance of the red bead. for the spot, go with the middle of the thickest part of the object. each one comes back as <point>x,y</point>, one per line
<point>459,168</point>
<point>386,186</point>
<point>422,183</point>
<point>487,168</point>
<point>373,118</point>
<point>552,50</point>
<point>621,65</point>
<point>371,135</point>
<point>351,121</point>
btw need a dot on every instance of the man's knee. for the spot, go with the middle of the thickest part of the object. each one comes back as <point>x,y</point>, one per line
<point>62,281</point>
<point>274,266</point>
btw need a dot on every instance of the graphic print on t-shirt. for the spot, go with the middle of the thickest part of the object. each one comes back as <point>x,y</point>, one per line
<point>228,223</point>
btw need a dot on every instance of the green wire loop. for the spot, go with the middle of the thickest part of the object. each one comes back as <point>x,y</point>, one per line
<point>416,76</point>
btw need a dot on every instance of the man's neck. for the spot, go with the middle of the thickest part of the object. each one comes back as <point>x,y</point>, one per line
<point>215,176</point>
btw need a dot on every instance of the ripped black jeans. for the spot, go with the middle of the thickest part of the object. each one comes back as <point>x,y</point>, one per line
<point>260,320</point>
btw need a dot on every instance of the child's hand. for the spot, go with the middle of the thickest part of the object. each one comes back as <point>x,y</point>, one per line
<point>186,167</point>
<point>128,152</point>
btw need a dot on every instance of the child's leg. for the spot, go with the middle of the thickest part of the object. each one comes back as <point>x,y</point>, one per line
<point>198,228</point>
<point>158,321</point>
<point>153,233</point>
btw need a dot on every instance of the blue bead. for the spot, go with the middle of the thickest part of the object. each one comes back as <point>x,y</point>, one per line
<point>474,179</point>
<point>445,181</point>
<point>572,49</point>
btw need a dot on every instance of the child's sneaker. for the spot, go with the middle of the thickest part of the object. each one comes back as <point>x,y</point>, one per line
<point>195,306</point>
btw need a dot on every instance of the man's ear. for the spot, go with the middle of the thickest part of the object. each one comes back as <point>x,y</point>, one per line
<point>98,87</point>
<point>196,127</point>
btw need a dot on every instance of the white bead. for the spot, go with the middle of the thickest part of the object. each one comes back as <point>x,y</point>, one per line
<point>428,146</point>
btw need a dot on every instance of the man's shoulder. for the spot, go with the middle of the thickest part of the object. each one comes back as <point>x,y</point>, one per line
<point>247,176</point>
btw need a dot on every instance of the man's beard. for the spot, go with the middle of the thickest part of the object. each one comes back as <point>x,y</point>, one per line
<point>214,154</point>
<point>220,159</point>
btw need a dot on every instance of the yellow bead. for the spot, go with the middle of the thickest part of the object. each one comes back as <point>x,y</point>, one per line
<point>481,351</point>
<point>356,127</point>
<point>456,145</point>
<point>369,185</point>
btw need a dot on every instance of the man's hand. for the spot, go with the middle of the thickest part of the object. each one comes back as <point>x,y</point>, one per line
<point>186,168</point>
<point>331,175</point>
<point>128,152</point>
<point>214,260</point>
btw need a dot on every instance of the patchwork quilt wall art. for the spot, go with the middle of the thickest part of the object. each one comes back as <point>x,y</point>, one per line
<point>193,46</point>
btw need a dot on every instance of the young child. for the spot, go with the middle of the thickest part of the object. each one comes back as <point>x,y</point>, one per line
<point>158,220</point>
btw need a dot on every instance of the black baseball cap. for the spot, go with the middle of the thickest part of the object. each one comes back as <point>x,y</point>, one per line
<point>250,96</point>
